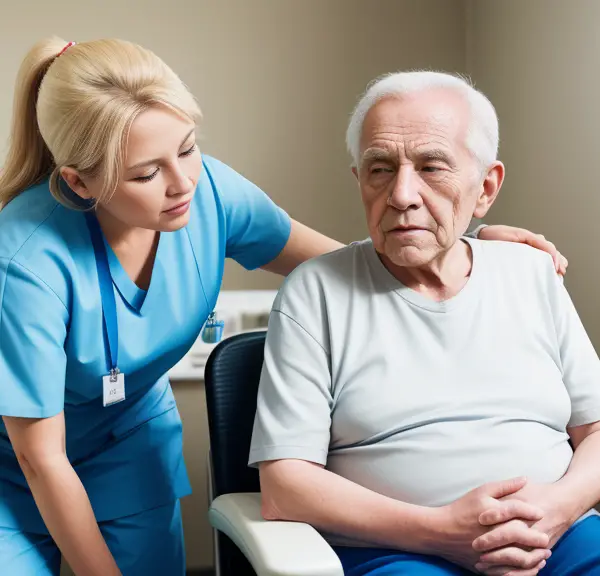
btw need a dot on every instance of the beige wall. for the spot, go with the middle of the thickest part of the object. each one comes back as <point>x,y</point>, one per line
<point>276,80</point>
<point>537,60</point>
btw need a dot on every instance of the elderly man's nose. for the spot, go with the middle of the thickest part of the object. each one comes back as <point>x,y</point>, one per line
<point>405,192</point>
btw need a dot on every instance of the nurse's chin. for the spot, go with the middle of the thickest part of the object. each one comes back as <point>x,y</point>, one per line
<point>178,217</point>
<point>172,225</point>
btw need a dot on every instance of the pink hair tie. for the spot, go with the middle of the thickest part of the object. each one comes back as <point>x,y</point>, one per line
<point>65,48</point>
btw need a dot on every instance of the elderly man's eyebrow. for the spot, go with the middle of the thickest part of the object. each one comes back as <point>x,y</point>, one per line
<point>435,154</point>
<point>376,155</point>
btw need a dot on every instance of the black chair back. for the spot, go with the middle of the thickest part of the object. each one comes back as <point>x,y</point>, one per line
<point>231,377</point>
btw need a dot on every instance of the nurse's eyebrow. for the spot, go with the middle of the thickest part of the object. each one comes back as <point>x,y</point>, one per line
<point>157,160</point>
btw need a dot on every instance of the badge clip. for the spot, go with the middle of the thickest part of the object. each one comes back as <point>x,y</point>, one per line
<point>212,333</point>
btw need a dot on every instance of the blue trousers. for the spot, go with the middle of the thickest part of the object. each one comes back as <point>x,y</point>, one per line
<point>145,544</point>
<point>577,553</point>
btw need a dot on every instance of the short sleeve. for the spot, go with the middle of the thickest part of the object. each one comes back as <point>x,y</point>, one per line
<point>294,404</point>
<point>33,329</point>
<point>257,229</point>
<point>580,363</point>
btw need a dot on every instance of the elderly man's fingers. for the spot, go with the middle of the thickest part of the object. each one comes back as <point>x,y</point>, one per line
<point>509,510</point>
<point>510,533</point>
<point>517,557</point>
<point>508,570</point>
<point>502,488</point>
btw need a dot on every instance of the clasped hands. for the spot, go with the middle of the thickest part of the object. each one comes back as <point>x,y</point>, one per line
<point>504,528</point>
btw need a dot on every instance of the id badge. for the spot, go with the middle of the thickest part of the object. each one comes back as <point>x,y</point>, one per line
<point>114,388</point>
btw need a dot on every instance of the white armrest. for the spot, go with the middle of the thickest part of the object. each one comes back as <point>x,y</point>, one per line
<point>273,548</point>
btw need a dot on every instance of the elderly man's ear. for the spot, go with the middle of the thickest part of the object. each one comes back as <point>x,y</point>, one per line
<point>488,191</point>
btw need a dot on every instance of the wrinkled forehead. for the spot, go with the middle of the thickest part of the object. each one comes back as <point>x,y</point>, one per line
<point>433,118</point>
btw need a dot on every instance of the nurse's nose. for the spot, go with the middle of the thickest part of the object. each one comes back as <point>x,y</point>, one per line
<point>180,183</point>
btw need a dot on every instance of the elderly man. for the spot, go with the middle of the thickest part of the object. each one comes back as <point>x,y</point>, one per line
<point>430,402</point>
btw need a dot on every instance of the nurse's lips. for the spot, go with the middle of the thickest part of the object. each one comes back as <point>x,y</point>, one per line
<point>178,209</point>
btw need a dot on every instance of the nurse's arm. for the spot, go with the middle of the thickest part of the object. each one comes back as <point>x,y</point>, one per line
<point>304,243</point>
<point>59,494</point>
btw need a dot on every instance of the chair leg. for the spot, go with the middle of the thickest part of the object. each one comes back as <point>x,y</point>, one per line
<point>216,553</point>
<point>211,496</point>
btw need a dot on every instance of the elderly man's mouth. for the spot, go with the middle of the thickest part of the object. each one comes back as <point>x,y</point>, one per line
<point>408,230</point>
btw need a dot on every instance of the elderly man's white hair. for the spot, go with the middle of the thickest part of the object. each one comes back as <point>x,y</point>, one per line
<point>482,137</point>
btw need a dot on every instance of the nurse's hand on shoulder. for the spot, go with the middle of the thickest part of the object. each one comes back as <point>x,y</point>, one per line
<point>511,234</point>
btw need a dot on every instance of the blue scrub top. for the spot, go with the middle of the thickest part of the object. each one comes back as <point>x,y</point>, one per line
<point>53,352</point>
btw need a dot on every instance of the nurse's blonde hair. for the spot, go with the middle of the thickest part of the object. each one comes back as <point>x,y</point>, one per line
<point>74,107</point>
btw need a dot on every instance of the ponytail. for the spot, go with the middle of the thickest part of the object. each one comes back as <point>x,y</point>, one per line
<point>28,160</point>
<point>75,109</point>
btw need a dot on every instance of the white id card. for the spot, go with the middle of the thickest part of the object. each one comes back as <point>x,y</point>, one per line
<point>114,389</point>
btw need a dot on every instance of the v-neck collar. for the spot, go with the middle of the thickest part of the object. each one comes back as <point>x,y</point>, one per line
<point>137,298</point>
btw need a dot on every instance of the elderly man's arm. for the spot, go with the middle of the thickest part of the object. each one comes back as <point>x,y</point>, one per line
<point>300,491</point>
<point>581,484</point>
<point>579,489</point>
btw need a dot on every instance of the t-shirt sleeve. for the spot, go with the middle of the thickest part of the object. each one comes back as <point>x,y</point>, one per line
<point>474,233</point>
<point>580,363</point>
<point>293,416</point>
<point>257,229</point>
<point>33,329</point>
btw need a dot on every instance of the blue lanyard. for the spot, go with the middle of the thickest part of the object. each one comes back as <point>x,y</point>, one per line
<point>107,294</point>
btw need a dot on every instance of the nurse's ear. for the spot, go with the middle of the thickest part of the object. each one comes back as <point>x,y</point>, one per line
<point>75,182</point>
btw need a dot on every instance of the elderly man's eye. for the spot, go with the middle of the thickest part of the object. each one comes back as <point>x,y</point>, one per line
<point>430,169</point>
<point>381,170</point>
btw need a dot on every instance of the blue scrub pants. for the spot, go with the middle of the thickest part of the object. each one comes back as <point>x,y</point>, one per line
<point>577,553</point>
<point>145,544</point>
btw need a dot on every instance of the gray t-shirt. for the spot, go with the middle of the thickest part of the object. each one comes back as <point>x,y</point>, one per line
<point>420,400</point>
